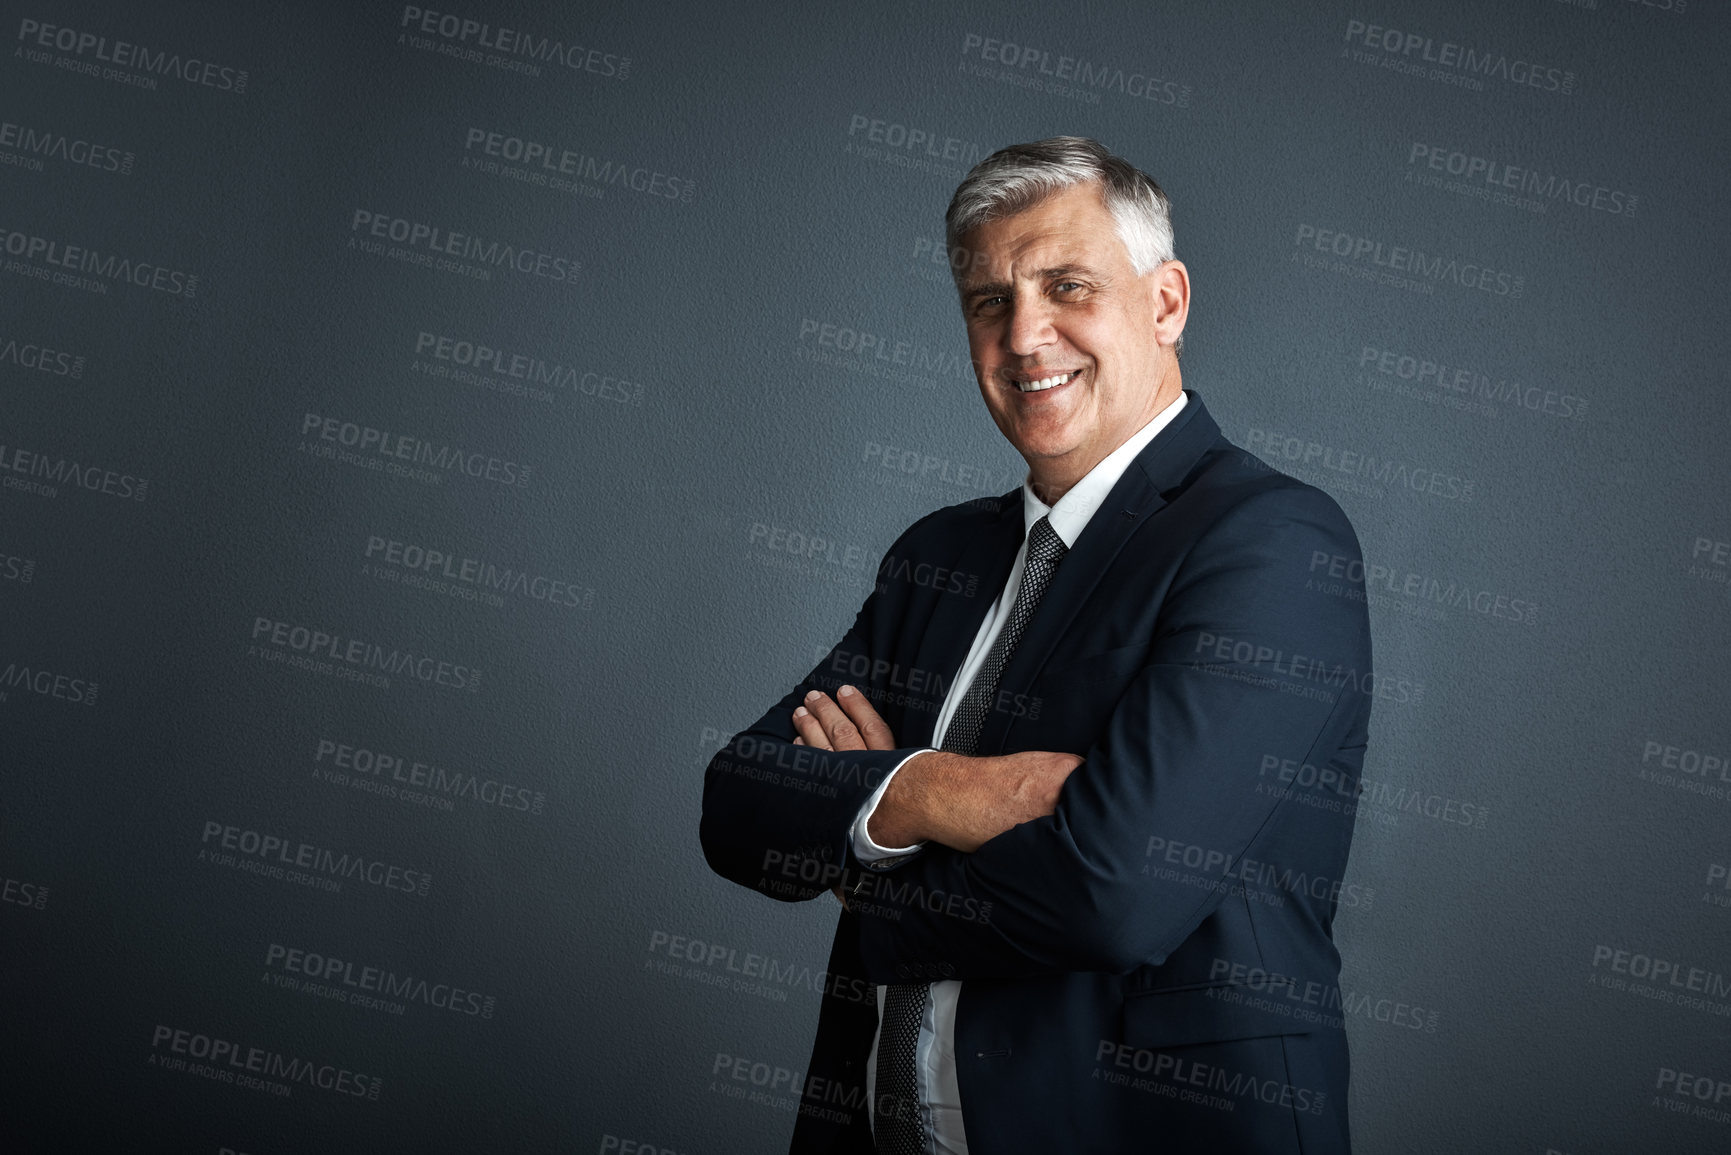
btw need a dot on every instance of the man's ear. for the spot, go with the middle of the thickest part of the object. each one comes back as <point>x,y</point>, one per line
<point>1171,299</point>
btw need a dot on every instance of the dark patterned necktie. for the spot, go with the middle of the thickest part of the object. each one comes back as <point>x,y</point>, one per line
<point>900,1127</point>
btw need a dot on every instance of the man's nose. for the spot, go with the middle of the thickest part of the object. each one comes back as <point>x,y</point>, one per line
<point>1030,326</point>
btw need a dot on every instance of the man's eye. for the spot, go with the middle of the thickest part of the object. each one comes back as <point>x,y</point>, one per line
<point>1063,285</point>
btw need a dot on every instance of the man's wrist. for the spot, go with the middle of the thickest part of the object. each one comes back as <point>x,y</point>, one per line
<point>896,819</point>
<point>865,848</point>
<point>914,807</point>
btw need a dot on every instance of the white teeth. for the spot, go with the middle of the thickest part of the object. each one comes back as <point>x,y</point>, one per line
<point>1043,383</point>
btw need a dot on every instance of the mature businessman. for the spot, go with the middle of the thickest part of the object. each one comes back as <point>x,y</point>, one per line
<point>1090,839</point>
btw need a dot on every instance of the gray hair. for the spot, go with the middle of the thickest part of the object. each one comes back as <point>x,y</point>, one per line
<point>1018,177</point>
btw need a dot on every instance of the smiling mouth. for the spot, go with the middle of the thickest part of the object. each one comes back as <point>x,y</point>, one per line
<point>1044,383</point>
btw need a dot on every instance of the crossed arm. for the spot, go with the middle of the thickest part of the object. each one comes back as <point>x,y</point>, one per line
<point>1037,863</point>
<point>952,799</point>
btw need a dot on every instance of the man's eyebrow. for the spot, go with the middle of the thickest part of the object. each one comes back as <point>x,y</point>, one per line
<point>992,288</point>
<point>1057,271</point>
<point>985,289</point>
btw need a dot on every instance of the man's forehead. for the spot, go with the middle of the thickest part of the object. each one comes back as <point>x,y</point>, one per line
<point>1058,230</point>
<point>1038,254</point>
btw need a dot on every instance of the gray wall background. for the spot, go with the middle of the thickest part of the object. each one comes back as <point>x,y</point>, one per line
<point>711,476</point>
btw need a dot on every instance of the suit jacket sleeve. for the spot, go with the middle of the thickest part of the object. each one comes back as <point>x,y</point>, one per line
<point>777,817</point>
<point>1229,682</point>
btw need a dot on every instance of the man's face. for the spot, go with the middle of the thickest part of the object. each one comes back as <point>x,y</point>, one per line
<point>1050,293</point>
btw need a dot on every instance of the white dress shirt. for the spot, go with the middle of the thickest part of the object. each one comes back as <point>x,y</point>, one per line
<point>935,1054</point>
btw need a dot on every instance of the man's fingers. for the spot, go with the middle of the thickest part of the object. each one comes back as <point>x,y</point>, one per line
<point>837,726</point>
<point>809,729</point>
<point>840,894</point>
<point>871,725</point>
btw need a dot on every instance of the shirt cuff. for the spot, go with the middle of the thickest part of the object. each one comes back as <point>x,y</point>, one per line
<point>868,852</point>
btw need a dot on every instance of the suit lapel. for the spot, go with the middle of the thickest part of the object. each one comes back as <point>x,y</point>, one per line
<point>955,619</point>
<point>1161,465</point>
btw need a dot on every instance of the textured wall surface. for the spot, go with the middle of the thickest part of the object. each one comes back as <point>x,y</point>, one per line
<point>427,435</point>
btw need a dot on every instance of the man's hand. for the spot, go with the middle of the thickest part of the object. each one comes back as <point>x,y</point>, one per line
<point>964,802</point>
<point>853,725</point>
<point>958,801</point>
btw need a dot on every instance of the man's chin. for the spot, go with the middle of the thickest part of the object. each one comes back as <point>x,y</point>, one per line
<point>1047,449</point>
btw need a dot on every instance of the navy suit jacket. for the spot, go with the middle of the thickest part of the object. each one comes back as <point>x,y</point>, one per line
<point>1150,968</point>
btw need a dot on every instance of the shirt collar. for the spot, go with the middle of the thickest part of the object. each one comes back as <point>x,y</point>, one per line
<point>1071,513</point>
